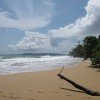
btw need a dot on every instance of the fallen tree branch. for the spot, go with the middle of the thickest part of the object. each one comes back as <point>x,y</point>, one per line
<point>88,91</point>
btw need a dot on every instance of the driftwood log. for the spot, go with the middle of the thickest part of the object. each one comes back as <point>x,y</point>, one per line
<point>88,91</point>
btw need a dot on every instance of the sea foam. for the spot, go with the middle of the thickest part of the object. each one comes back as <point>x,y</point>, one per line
<point>31,64</point>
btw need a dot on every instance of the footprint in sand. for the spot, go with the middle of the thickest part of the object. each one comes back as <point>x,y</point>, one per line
<point>40,92</point>
<point>68,94</point>
<point>29,90</point>
<point>3,96</point>
<point>11,97</point>
<point>54,92</point>
<point>30,99</point>
<point>17,97</point>
<point>87,98</point>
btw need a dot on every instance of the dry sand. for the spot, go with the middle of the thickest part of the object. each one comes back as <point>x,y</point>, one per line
<point>47,86</point>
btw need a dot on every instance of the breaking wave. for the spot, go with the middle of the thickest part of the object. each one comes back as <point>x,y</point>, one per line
<point>30,64</point>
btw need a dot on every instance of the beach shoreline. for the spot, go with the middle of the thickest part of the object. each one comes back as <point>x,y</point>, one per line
<point>46,85</point>
<point>11,65</point>
<point>59,68</point>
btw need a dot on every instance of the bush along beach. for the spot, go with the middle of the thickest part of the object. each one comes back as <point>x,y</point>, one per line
<point>88,49</point>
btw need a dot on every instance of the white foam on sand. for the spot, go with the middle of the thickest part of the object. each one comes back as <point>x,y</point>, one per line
<point>27,64</point>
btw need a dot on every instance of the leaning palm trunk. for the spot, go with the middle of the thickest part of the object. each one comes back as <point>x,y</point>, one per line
<point>88,91</point>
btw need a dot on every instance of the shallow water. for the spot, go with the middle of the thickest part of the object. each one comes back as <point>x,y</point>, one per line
<point>18,64</point>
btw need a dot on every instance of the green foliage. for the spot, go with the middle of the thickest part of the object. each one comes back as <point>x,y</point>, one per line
<point>77,51</point>
<point>96,55</point>
<point>96,60</point>
<point>89,43</point>
<point>90,48</point>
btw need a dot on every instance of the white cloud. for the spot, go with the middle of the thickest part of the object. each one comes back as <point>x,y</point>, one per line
<point>37,42</point>
<point>33,41</point>
<point>88,25</point>
<point>27,14</point>
<point>63,39</point>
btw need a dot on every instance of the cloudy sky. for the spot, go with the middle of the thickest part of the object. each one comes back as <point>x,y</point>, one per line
<point>46,25</point>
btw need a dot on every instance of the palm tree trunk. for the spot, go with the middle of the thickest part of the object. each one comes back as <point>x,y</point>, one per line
<point>88,91</point>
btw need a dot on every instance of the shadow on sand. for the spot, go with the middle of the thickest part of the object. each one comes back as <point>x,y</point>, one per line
<point>72,90</point>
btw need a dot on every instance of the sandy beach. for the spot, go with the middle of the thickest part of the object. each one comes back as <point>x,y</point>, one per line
<point>48,86</point>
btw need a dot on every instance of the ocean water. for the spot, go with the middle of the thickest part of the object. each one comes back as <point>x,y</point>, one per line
<point>10,64</point>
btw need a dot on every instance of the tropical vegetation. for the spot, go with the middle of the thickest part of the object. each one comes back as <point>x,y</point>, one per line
<point>88,49</point>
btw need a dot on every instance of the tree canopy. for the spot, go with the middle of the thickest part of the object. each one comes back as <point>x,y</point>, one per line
<point>90,48</point>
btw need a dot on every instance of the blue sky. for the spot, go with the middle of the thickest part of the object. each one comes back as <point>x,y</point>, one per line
<point>46,25</point>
